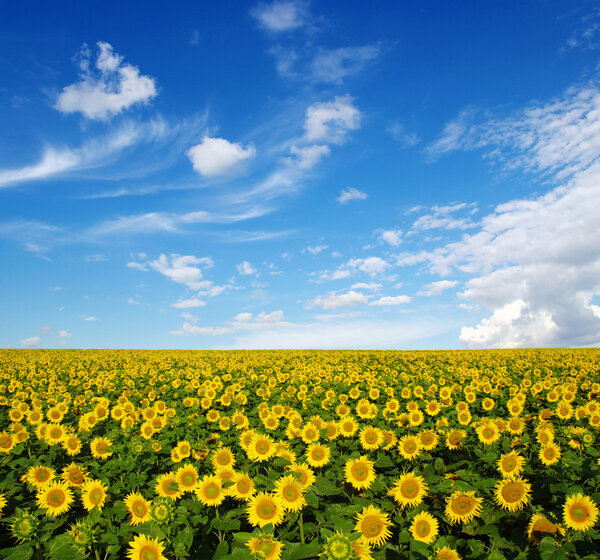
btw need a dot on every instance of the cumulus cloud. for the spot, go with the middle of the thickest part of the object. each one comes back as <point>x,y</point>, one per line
<point>436,288</point>
<point>370,265</point>
<point>183,269</point>
<point>392,237</point>
<point>280,16</point>
<point>372,286</point>
<point>331,121</point>
<point>113,87</point>
<point>308,156</point>
<point>217,156</point>
<point>31,342</point>
<point>535,263</point>
<point>189,303</point>
<point>315,250</point>
<point>391,300</point>
<point>339,301</point>
<point>245,268</point>
<point>64,334</point>
<point>351,194</point>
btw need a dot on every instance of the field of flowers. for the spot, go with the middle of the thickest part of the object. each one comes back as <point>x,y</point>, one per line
<point>150,455</point>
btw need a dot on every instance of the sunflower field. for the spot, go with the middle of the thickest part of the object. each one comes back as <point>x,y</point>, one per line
<point>150,455</point>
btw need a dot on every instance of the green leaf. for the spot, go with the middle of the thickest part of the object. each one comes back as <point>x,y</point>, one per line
<point>22,552</point>
<point>549,550</point>
<point>301,551</point>
<point>226,524</point>
<point>222,550</point>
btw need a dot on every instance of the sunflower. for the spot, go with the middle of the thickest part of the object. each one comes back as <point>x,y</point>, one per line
<point>373,525</point>
<point>454,439</point>
<point>516,425</point>
<point>538,525</point>
<point>303,473</point>
<point>371,438</point>
<point>99,448</point>
<point>145,548</point>
<point>264,509</point>
<point>187,477</point>
<point>55,433</point>
<point>424,527</point>
<point>223,458</point>
<point>446,553</point>
<point>209,491</point>
<point>409,490</point>
<point>580,512</point>
<point>310,433</point>
<point>7,442</point>
<point>71,444</point>
<point>3,503</point>
<point>138,508</point>
<point>488,433</point>
<point>348,426</point>
<point>93,494</point>
<point>290,491</point>
<point>317,455</point>
<point>511,464</point>
<point>242,488</point>
<point>359,472</point>
<point>428,440</point>
<point>39,476</point>
<point>549,454</point>
<point>261,448</point>
<point>167,486</point>
<point>56,498</point>
<point>184,449</point>
<point>512,493</point>
<point>410,447</point>
<point>462,507</point>
<point>265,548</point>
<point>338,547</point>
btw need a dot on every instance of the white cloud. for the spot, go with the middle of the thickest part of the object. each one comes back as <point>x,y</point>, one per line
<point>331,121</point>
<point>436,288</point>
<point>280,16</point>
<point>402,136</point>
<point>370,265</point>
<point>535,263</point>
<point>443,217</point>
<point>392,236</point>
<point>186,270</point>
<point>137,266</point>
<point>391,300</point>
<point>217,156</point>
<point>333,65</point>
<point>95,258</point>
<point>339,301</point>
<point>372,286</point>
<point>64,334</point>
<point>112,88</point>
<point>31,342</point>
<point>51,163</point>
<point>245,268</point>
<point>350,194</point>
<point>189,303</point>
<point>315,250</point>
<point>309,156</point>
<point>91,318</point>
<point>133,301</point>
<point>241,322</point>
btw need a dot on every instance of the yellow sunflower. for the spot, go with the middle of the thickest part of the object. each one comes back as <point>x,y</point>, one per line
<point>145,548</point>
<point>265,548</point>
<point>446,553</point>
<point>359,472</point>
<point>291,492</point>
<point>167,486</point>
<point>428,440</point>
<point>462,507</point>
<point>512,493</point>
<point>223,458</point>
<point>303,473</point>
<point>455,439</point>
<point>100,448</point>
<point>187,477</point>
<point>71,444</point>
<point>409,447</point>
<point>264,509</point>
<point>209,491</point>
<point>539,525</point>
<point>242,488</point>
<point>138,508</point>
<point>511,464</point>
<point>3,503</point>
<point>317,455</point>
<point>488,433</point>
<point>56,498</point>
<point>348,426</point>
<point>93,494</point>
<point>261,448</point>
<point>409,490</point>
<point>371,438</point>
<point>39,476</point>
<point>580,512</point>
<point>424,527</point>
<point>73,475</point>
<point>373,525</point>
<point>550,454</point>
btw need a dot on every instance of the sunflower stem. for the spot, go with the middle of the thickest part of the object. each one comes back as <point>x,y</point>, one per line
<point>301,523</point>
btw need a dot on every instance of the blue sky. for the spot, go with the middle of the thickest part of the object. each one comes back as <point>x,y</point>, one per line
<point>300,175</point>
